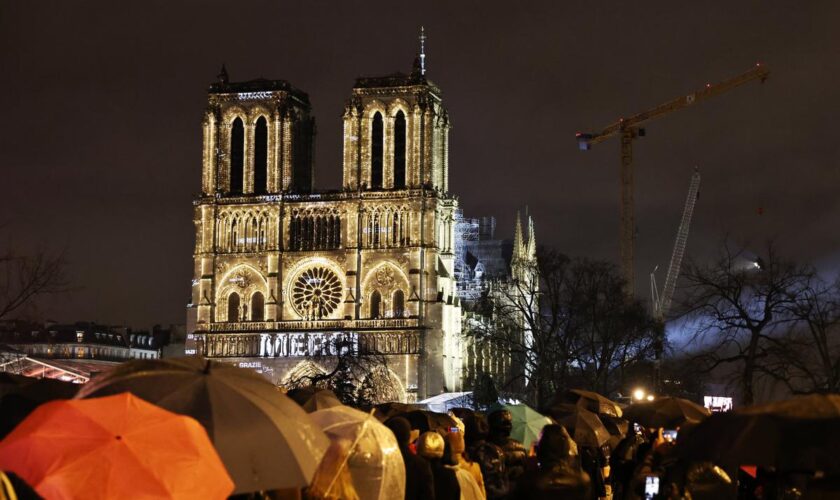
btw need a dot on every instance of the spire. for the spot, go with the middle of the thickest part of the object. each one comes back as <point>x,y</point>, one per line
<point>532,240</point>
<point>223,75</point>
<point>518,246</point>
<point>422,38</point>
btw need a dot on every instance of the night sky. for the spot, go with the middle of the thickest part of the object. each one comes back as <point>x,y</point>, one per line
<point>102,104</point>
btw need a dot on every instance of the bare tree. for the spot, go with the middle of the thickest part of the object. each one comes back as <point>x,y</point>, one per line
<point>612,332</point>
<point>350,367</point>
<point>739,304</point>
<point>25,278</point>
<point>806,356</point>
<point>569,323</point>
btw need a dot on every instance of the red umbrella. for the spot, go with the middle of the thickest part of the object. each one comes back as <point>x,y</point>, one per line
<point>114,447</point>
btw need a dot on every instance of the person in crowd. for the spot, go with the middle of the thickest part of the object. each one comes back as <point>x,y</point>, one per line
<point>651,461</point>
<point>593,461</point>
<point>501,424</point>
<point>623,462</point>
<point>456,448</point>
<point>419,481</point>
<point>431,446</point>
<point>332,479</point>
<point>556,476</point>
<point>466,481</point>
<point>489,457</point>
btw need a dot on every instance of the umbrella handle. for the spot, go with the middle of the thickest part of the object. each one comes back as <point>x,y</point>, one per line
<point>350,450</point>
<point>7,486</point>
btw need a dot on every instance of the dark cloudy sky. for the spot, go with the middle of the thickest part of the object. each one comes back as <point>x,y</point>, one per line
<point>102,102</point>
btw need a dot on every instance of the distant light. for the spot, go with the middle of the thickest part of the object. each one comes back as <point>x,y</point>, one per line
<point>639,394</point>
<point>649,397</point>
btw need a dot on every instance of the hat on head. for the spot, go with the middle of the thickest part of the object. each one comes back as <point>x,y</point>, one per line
<point>430,445</point>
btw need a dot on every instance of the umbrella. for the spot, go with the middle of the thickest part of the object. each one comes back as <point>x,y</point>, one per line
<point>313,398</point>
<point>114,447</point>
<point>462,413</point>
<point>425,420</point>
<point>527,422</point>
<point>592,401</point>
<point>666,412</point>
<point>375,463</point>
<point>585,428</point>
<point>616,426</point>
<point>800,434</point>
<point>384,411</point>
<point>20,395</point>
<point>265,439</point>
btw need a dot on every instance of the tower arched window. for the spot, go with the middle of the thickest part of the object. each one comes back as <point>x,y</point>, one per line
<point>261,157</point>
<point>234,236</point>
<point>257,307</point>
<point>237,155</point>
<point>375,304</point>
<point>377,144</point>
<point>399,304</point>
<point>399,150</point>
<point>233,307</point>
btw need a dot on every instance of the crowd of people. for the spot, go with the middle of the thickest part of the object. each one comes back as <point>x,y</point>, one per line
<point>479,460</point>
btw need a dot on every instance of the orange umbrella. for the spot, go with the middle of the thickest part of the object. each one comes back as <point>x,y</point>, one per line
<point>114,447</point>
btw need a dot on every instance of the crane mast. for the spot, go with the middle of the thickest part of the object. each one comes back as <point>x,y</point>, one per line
<point>629,129</point>
<point>662,303</point>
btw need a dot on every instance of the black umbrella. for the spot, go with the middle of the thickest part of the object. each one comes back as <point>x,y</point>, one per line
<point>585,428</point>
<point>20,395</point>
<point>800,434</point>
<point>384,411</point>
<point>592,401</point>
<point>666,412</point>
<point>265,439</point>
<point>313,398</point>
<point>425,421</point>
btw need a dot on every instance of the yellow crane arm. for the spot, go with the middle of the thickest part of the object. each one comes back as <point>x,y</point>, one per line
<point>758,72</point>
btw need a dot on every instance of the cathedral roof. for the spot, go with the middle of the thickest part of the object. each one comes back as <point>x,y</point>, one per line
<point>257,85</point>
<point>395,80</point>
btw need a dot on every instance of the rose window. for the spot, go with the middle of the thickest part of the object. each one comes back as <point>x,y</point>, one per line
<point>316,293</point>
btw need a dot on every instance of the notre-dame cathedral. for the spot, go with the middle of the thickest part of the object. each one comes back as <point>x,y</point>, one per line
<point>282,269</point>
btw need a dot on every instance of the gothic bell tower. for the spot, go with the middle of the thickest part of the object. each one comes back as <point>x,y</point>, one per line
<point>258,138</point>
<point>396,133</point>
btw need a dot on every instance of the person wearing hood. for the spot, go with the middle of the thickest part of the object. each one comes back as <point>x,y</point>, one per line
<point>555,477</point>
<point>419,480</point>
<point>431,446</point>
<point>501,425</point>
<point>467,472</point>
<point>489,457</point>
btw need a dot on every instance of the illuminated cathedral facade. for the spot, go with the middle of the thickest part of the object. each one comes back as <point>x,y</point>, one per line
<point>282,270</point>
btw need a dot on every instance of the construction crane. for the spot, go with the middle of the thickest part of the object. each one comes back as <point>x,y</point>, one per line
<point>631,128</point>
<point>662,303</point>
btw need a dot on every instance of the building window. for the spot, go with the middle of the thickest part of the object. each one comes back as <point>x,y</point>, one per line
<point>315,232</point>
<point>399,304</point>
<point>257,307</point>
<point>237,156</point>
<point>233,307</point>
<point>399,151</point>
<point>377,144</point>
<point>375,304</point>
<point>261,157</point>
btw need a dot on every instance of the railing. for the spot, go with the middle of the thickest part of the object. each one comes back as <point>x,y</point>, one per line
<point>233,345</point>
<point>320,325</point>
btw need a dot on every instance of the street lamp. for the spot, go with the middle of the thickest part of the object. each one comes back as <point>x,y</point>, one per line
<point>639,394</point>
